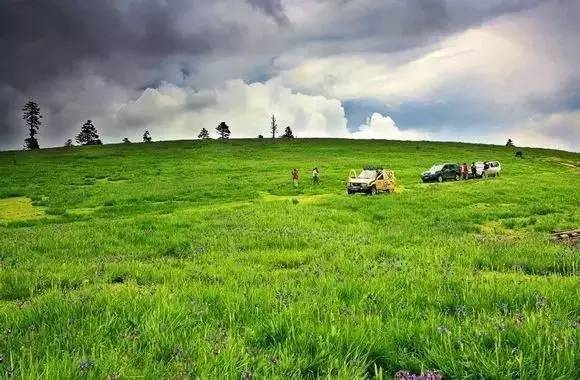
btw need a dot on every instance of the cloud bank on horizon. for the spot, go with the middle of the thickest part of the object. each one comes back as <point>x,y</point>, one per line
<point>406,70</point>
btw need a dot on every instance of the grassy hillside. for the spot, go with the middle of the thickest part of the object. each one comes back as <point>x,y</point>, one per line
<point>200,259</point>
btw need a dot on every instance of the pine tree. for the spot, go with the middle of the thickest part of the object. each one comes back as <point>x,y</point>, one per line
<point>32,116</point>
<point>273,127</point>
<point>68,143</point>
<point>510,143</point>
<point>224,130</point>
<point>204,134</point>
<point>88,135</point>
<point>288,133</point>
<point>147,137</point>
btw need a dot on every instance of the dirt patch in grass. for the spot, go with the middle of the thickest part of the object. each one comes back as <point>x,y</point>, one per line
<point>91,181</point>
<point>112,179</point>
<point>570,238</point>
<point>18,208</point>
<point>117,179</point>
<point>296,199</point>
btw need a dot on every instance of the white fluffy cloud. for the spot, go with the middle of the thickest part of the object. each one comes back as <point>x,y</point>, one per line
<point>171,111</point>
<point>383,127</point>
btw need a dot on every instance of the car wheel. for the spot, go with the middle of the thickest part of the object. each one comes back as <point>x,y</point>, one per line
<point>457,177</point>
<point>373,190</point>
<point>440,179</point>
<point>349,192</point>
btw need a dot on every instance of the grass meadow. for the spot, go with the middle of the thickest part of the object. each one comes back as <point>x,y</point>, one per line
<point>199,259</point>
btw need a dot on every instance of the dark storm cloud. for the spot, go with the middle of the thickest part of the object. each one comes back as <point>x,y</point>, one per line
<point>43,38</point>
<point>391,26</point>
<point>273,8</point>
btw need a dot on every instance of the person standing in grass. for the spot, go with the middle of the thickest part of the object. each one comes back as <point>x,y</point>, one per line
<point>295,177</point>
<point>315,176</point>
<point>473,170</point>
<point>464,170</point>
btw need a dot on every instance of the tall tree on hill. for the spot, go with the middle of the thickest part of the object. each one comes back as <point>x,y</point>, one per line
<point>204,134</point>
<point>288,133</point>
<point>68,143</point>
<point>31,113</point>
<point>147,137</point>
<point>273,126</point>
<point>88,135</point>
<point>224,130</point>
<point>510,143</point>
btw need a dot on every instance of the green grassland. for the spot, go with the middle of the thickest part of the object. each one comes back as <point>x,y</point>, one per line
<point>200,259</point>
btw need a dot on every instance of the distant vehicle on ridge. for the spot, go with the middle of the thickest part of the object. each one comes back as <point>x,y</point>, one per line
<point>486,169</point>
<point>442,172</point>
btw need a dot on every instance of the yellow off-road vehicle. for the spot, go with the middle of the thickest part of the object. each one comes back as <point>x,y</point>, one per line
<point>371,180</point>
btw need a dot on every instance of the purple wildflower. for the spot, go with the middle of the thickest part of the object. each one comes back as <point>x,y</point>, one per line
<point>541,302</point>
<point>428,375</point>
<point>247,375</point>
<point>85,365</point>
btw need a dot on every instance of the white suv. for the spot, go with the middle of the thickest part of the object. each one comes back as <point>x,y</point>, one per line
<point>487,169</point>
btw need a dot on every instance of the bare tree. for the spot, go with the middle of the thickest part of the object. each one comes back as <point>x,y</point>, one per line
<point>273,127</point>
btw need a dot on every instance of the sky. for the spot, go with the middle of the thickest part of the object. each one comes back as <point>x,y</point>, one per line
<point>448,70</point>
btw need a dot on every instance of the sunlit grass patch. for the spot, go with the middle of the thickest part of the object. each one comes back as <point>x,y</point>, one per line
<point>18,208</point>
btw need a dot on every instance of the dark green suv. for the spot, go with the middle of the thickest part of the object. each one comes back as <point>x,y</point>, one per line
<point>441,172</point>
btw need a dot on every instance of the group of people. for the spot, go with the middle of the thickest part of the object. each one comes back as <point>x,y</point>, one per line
<point>296,176</point>
<point>465,170</point>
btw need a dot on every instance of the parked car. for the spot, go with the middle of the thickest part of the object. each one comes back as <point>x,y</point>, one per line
<point>486,169</point>
<point>442,172</point>
<point>371,181</point>
<point>493,169</point>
